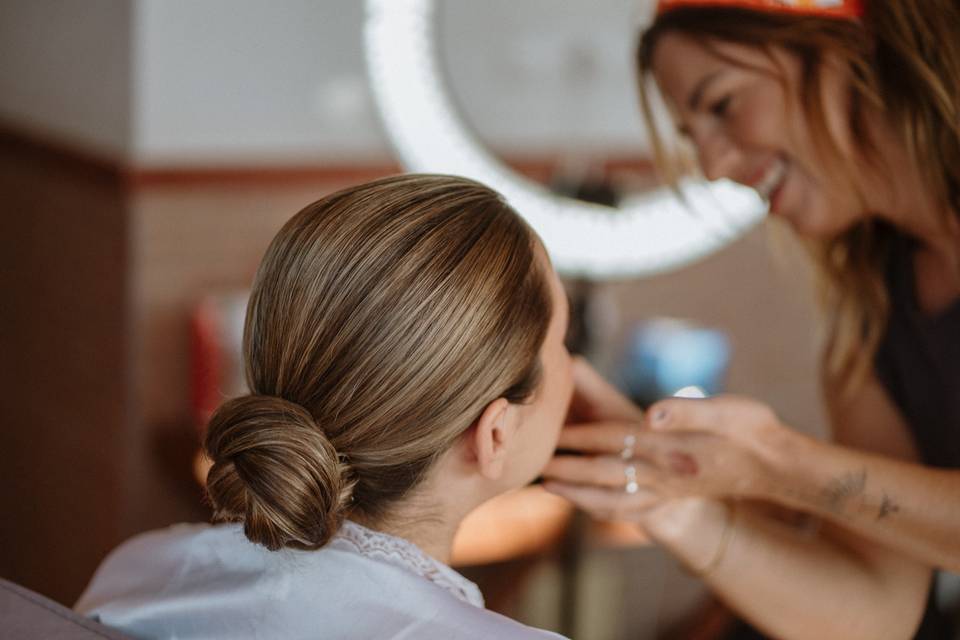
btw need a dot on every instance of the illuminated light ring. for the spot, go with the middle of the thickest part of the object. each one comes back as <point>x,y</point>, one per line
<point>648,234</point>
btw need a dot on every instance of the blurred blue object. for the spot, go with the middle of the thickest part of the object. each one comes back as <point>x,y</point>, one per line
<point>665,357</point>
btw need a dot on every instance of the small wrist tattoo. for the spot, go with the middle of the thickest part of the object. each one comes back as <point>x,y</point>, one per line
<point>850,489</point>
<point>840,491</point>
<point>887,507</point>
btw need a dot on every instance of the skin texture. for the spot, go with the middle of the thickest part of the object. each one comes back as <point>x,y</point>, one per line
<point>828,540</point>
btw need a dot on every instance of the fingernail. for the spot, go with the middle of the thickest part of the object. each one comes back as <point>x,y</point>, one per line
<point>659,418</point>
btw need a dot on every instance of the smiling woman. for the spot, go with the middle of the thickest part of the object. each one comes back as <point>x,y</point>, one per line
<point>845,117</point>
<point>807,111</point>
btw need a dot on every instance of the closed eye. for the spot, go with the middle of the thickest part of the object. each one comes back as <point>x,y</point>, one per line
<point>721,107</point>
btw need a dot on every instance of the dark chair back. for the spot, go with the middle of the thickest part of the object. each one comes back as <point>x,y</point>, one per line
<point>25,615</point>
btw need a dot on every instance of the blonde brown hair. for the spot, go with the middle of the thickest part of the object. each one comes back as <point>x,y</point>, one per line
<point>383,319</point>
<point>903,59</point>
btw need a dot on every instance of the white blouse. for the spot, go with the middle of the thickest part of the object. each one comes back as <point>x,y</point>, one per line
<point>195,581</point>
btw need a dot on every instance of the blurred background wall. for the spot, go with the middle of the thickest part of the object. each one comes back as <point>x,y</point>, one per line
<point>215,83</point>
<point>149,149</point>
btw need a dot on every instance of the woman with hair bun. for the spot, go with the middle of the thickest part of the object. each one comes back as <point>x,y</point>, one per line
<point>845,116</point>
<point>404,352</point>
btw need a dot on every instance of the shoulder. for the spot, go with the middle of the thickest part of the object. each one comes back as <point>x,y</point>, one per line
<point>467,622</point>
<point>153,560</point>
<point>207,582</point>
<point>173,543</point>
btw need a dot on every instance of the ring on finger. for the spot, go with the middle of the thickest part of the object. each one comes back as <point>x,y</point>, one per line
<point>629,444</point>
<point>631,487</point>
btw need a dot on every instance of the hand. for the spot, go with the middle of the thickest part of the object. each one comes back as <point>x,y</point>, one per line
<point>738,431</point>
<point>595,401</point>
<point>721,447</point>
<point>662,466</point>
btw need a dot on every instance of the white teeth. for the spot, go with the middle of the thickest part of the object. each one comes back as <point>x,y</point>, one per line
<point>771,179</point>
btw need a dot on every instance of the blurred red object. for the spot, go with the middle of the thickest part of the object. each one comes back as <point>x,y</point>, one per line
<point>216,337</point>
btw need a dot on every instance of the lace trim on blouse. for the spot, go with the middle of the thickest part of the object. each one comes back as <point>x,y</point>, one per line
<point>406,555</point>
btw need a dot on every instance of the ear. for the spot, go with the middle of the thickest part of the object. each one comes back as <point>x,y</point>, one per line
<point>491,439</point>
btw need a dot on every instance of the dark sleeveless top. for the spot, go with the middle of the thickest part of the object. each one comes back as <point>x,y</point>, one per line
<point>918,362</point>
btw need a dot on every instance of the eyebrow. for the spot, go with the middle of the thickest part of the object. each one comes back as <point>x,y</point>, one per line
<point>697,95</point>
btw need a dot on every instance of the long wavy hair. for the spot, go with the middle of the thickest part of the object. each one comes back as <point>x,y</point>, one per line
<point>903,59</point>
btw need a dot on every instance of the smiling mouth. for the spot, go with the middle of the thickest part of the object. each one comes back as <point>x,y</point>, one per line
<point>771,180</point>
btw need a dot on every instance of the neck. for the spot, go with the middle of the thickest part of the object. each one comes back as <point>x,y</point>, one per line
<point>908,201</point>
<point>429,518</point>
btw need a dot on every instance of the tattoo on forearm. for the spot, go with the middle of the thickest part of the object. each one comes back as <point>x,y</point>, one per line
<point>887,507</point>
<point>839,492</point>
<point>851,489</point>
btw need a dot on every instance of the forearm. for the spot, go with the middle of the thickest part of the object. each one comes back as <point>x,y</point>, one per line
<point>906,506</point>
<point>795,584</point>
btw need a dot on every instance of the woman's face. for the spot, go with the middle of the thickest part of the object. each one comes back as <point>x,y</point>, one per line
<point>741,109</point>
<point>541,419</point>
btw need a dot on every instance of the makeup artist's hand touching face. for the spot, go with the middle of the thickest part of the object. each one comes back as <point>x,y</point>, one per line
<point>630,463</point>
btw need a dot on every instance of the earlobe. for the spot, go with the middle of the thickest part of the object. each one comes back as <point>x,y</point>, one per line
<point>492,438</point>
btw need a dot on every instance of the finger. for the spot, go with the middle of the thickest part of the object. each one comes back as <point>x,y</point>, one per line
<point>675,454</point>
<point>599,471</point>
<point>718,415</point>
<point>596,399</point>
<point>598,437</point>
<point>610,438</point>
<point>607,504</point>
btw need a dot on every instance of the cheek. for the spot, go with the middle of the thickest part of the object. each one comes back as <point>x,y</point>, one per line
<point>760,127</point>
<point>568,395</point>
<point>551,410</point>
<point>564,386</point>
<point>761,119</point>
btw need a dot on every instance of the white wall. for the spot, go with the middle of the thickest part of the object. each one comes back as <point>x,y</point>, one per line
<point>252,81</point>
<point>543,75</point>
<point>65,69</point>
<point>239,81</point>
<point>255,82</point>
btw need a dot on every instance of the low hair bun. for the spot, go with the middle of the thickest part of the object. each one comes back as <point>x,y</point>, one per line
<point>276,472</point>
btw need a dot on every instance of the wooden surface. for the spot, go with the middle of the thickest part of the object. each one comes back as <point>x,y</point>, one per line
<point>65,401</point>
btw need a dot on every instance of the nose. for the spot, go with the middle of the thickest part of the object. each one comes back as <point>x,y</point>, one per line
<point>717,154</point>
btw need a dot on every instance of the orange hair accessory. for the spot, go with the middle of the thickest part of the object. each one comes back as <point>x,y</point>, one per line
<point>843,9</point>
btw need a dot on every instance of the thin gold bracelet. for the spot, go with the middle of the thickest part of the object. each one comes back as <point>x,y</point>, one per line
<point>725,537</point>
